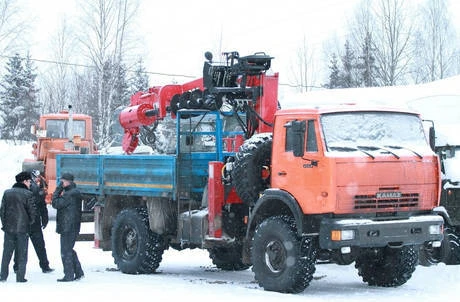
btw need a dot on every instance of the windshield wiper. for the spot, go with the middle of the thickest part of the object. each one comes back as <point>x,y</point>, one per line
<point>350,149</point>
<point>375,148</point>
<point>343,148</point>
<point>401,147</point>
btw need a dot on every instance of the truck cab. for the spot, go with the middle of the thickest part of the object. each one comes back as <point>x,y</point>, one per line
<point>351,160</point>
<point>58,133</point>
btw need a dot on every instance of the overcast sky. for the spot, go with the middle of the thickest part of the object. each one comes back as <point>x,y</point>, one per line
<point>176,33</point>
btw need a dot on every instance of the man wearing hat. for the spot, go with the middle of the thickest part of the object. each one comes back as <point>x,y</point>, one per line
<point>67,201</point>
<point>40,221</point>
<point>17,213</point>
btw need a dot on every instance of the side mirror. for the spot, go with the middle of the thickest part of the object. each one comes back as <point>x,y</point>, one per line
<point>429,125</point>
<point>432,138</point>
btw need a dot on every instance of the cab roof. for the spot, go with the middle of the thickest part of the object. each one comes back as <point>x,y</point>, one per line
<point>346,107</point>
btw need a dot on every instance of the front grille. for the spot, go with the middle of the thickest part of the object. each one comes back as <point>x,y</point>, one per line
<point>406,200</point>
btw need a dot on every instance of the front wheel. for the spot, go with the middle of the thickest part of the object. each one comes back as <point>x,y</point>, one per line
<point>387,267</point>
<point>135,248</point>
<point>282,261</point>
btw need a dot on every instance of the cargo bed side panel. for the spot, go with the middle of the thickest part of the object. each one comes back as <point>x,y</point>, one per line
<point>121,175</point>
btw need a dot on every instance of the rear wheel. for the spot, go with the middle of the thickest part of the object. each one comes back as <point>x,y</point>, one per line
<point>281,260</point>
<point>135,248</point>
<point>448,252</point>
<point>387,267</point>
<point>452,256</point>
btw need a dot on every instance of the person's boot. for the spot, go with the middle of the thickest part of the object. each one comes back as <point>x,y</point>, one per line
<point>21,273</point>
<point>65,279</point>
<point>79,276</point>
<point>47,270</point>
<point>3,276</point>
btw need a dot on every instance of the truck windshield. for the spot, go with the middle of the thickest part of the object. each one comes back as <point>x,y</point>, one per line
<point>59,128</point>
<point>350,131</point>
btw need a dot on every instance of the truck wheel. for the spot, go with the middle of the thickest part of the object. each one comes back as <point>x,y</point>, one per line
<point>282,261</point>
<point>135,248</point>
<point>228,258</point>
<point>430,255</point>
<point>448,252</point>
<point>452,255</point>
<point>387,267</point>
<point>250,174</point>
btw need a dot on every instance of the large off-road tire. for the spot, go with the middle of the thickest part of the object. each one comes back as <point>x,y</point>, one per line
<point>135,248</point>
<point>250,174</point>
<point>452,256</point>
<point>281,261</point>
<point>387,267</point>
<point>430,255</point>
<point>448,252</point>
<point>228,258</point>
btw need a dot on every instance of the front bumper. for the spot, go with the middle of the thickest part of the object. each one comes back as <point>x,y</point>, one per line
<point>379,233</point>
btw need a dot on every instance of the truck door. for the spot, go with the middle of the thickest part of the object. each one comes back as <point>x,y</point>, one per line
<point>298,166</point>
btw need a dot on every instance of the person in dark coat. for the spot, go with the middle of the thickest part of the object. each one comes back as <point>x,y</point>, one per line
<point>41,221</point>
<point>67,201</point>
<point>17,213</point>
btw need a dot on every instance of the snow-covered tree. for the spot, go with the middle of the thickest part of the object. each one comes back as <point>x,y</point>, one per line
<point>390,25</point>
<point>334,76</point>
<point>391,37</point>
<point>346,75</point>
<point>14,26</point>
<point>57,80</point>
<point>19,105</point>
<point>140,80</point>
<point>349,77</point>
<point>366,63</point>
<point>435,44</point>
<point>106,25</point>
<point>303,68</point>
<point>115,90</point>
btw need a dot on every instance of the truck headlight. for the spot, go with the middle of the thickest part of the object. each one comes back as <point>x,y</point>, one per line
<point>338,235</point>
<point>435,229</point>
<point>436,244</point>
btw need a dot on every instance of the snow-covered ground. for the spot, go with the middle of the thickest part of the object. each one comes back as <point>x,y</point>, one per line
<point>189,275</point>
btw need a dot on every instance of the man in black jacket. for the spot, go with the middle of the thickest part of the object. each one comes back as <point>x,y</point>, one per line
<point>17,213</point>
<point>41,221</point>
<point>67,201</point>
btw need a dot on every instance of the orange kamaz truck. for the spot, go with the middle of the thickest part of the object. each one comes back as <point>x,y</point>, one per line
<point>278,190</point>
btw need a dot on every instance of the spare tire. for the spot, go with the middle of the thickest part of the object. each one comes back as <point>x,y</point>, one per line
<point>250,173</point>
